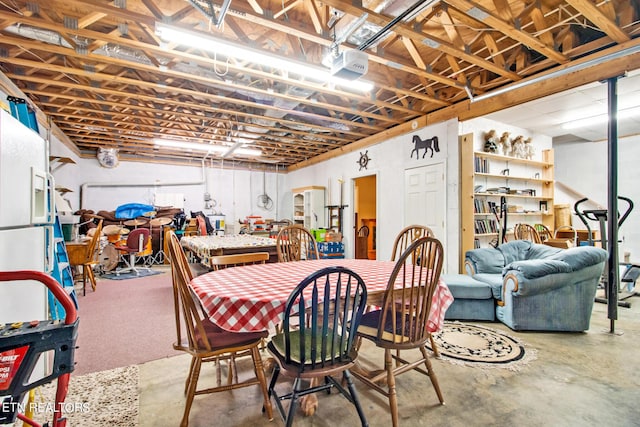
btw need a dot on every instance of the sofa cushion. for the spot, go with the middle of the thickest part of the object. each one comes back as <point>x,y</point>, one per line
<point>466,287</point>
<point>541,251</point>
<point>486,260</point>
<point>493,280</point>
<point>581,256</point>
<point>534,268</point>
<point>514,251</point>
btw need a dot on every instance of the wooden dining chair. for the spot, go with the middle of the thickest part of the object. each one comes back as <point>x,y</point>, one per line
<point>92,259</point>
<point>362,243</point>
<point>408,235</point>
<point>320,345</point>
<point>525,231</point>
<point>401,323</point>
<point>223,261</point>
<point>204,340</point>
<point>543,231</point>
<point>296,243</point>
<point>403,240</point>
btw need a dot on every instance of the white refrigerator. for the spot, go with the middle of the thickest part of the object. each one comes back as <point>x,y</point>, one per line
<point>27,215</point>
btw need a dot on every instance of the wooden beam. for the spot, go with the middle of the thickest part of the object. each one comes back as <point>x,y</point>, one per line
<point>427,39</point>
<point>466,110</point>
<point>600,20</point>
<point>314,15</point>
<point>494,21</point>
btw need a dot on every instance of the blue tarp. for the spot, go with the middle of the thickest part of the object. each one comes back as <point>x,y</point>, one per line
<point>132,210</point>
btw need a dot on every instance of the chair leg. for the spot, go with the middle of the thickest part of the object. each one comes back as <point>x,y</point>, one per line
<point>193,383</point>
<point>356,402</point>
<point>391,384</point>
<point>218,372</point>
<point>91,276</point>
<point>274,379</point>
<point>434,347</point>
<point>294,402</point>
<point>84,280</point>
<point>190,375</point>
<point>233,372</point>
<point>259,369</point>
<point>432,374</point>
<point>271,392</point>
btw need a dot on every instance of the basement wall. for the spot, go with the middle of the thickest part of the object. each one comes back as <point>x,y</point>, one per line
<point>583,166</point>
<point>389,160</point>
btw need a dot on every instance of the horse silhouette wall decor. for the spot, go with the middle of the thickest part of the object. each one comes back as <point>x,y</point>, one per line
<point>426,144</point>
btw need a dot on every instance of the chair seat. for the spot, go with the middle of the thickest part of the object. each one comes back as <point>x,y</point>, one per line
<point>127,250</point>
<point>369,328</point>
<point>278,346</point>
<point>222,339</point>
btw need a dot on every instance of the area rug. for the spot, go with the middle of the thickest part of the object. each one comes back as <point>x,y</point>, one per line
<point>130,275</point>
<point>474,344</point>
<point>99,399</point>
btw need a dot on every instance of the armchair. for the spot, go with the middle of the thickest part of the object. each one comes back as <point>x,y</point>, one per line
<point>538,287</point>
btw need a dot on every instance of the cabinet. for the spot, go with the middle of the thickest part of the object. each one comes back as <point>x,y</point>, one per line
<point>526,185</point>
<point>308,207</point>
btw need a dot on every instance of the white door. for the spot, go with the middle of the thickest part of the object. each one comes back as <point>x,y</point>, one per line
<point>424,195</point>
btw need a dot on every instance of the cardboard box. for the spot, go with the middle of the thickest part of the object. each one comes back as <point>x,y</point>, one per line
<point>333,236</point>
<point>559,243</point>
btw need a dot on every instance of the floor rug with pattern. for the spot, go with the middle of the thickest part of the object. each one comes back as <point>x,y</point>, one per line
<point>479,344</point>
<point>99,399</point>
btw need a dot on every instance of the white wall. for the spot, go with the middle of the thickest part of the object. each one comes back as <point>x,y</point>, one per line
<point>388,161</point>
<point>235,191</point>
<point>583,166</point>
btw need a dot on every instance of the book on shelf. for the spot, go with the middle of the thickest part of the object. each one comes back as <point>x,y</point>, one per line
<point>499,190</point>
<point>482,206</point>
<point>485,226</point>
<point>481,165</point>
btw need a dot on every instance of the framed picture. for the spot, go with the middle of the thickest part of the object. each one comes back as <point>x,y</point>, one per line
<point>543,206</point>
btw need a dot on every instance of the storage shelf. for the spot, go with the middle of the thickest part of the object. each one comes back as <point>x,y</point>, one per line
<point>513,213</point>
<point>515,160</point>
<point>513,178</point>
<point>513,196</point>
<point>533,180</point>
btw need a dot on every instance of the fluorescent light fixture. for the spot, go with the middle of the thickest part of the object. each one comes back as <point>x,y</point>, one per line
<point>601,118</point>
<point>205,147</point>
<point>223,47</point>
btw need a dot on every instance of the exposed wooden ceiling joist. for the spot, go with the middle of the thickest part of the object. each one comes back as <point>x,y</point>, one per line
<point>106,79</point>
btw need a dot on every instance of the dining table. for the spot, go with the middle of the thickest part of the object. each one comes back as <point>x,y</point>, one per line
<point>205,247</point>
<point>252,297</point>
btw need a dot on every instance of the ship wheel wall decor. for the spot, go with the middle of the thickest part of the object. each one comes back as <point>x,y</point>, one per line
<point>364,160</point>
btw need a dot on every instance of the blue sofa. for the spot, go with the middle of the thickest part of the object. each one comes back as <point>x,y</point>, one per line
<point>539,287</point>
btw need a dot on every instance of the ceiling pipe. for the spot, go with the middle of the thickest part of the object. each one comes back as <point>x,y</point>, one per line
<point>385,30</point>
<point>87,185</point>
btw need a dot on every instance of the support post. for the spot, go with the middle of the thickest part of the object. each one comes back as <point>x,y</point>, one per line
<point>612,232</point>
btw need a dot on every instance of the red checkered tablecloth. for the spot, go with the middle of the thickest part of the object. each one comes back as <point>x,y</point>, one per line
<point>252,297</point>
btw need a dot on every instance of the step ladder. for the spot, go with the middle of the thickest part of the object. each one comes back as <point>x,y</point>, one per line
<point>61,272</point>
<point>21,111</point>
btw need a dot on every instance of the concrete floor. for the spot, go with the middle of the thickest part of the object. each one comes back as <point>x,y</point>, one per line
<point>583,379</point>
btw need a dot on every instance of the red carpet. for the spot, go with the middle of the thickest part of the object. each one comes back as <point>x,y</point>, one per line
<point>125,322</point>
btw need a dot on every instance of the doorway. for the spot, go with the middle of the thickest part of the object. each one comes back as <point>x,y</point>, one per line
<point>365,213</point>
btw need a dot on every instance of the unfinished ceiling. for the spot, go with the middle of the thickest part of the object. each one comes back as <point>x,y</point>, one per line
<point>104,76</point>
